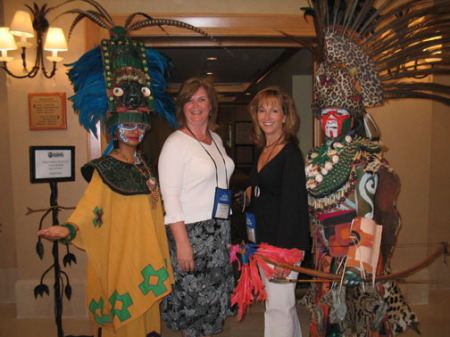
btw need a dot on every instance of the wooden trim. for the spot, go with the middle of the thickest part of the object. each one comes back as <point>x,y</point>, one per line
<point>231,25</point>
<point>230,29</point>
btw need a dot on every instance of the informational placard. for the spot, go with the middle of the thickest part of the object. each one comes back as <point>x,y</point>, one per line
<point>47,111</point>
<point>52,163</point>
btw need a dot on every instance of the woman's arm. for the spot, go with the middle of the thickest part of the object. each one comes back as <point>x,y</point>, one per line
<point>81,216</point>
<point>56,232</point>
<point>293,223</point>
<point>185,254</point>
<point>170,169</point>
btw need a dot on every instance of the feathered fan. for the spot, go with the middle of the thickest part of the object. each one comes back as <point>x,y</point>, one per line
<point>393,46</point>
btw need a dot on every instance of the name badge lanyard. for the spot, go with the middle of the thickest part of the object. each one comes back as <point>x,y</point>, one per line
<point>222,197</point>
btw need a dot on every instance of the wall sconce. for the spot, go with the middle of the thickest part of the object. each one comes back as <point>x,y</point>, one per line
<point>24,26</point>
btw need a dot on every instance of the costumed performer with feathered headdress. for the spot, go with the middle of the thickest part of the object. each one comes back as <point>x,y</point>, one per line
<point>119,220</point>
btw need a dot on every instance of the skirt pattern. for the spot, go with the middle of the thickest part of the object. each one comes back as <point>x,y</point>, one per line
<point>201,300</point>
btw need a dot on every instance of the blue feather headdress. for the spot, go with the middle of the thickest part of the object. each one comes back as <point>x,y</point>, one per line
<point>90,100</point>
<point>121,81</point>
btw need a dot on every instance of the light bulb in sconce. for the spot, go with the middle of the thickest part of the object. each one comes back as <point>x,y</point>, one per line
<point>22,26</point>
<point>7,42</point>
<point>55,41</point>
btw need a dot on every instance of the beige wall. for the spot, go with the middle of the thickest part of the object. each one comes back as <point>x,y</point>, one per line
<point>406,134</point>
<point>439,219</point>
<point>8,258</point>
<point>415,133</point>
<point>23,194</point>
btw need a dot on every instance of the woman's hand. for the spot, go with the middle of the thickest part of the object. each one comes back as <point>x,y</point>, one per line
<point>54,233</point>
<point>243,197</point>
<point>185,256</point>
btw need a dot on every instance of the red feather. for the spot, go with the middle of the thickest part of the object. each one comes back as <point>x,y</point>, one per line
<point>250,287</point>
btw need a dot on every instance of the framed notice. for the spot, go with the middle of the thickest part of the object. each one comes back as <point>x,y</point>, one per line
<point>52,163</point>
<point>47,111</point>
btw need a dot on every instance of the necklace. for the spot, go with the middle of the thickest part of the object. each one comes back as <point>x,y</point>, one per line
<point>145,171</point>
<point>134,160</point>
<point>274,143</point>
<point>257,191</point>
<point>272,146</point>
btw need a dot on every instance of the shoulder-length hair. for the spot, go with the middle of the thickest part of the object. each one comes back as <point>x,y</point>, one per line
<point>187,90</point>
<point>290,126</point>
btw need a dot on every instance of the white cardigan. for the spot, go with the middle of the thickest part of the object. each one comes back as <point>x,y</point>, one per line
<point>187,177</point>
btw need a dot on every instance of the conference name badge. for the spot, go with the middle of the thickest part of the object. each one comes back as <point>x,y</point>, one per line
<point>222,202</point>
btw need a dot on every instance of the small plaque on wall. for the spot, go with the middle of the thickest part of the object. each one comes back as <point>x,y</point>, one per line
<point>47,111</point>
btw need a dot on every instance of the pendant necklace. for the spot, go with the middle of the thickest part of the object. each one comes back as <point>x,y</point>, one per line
<point>273,145</point>
<point>145,171</point>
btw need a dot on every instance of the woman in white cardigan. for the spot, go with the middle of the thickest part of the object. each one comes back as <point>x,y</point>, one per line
<point>194,172</point>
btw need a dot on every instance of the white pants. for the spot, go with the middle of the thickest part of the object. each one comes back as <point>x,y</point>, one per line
<point>280,317</point>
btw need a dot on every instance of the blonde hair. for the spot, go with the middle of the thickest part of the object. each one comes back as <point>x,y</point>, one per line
<point>187,90</point>
<point>290,126</point>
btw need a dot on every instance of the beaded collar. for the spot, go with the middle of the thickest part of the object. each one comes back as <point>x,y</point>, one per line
<point>145,171</point>
<point>125,178</point>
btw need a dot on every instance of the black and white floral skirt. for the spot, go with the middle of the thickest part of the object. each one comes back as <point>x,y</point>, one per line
<point>201,300</point>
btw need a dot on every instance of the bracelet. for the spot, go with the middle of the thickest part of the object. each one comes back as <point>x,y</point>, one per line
<point>72,230</point>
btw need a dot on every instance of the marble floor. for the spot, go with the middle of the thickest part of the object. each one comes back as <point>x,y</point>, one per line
<point>433,322</point>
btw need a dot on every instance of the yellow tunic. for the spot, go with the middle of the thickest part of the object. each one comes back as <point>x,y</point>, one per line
<point>128,268</point>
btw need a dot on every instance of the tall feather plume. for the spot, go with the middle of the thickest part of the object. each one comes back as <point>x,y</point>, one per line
<point>91,15</point>
<point>100,11</point>
<point>131,17</point>
<point>406,41</point>
<point>173,23</point>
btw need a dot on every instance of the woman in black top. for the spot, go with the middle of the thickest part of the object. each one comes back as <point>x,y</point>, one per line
<point>278,200</point>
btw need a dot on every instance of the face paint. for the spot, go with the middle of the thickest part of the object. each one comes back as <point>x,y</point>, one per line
<point>122,133</point>
<point>335,122</point>
<point>130,127</point>
<point>133,126</point>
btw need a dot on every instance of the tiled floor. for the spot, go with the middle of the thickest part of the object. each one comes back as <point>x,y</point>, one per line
<point>434,322</point>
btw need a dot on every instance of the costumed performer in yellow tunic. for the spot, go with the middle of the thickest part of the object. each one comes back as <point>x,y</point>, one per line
<point>119,220</point>
<point>119,223</point>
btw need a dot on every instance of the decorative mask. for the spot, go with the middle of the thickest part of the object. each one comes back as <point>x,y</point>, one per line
<point>335,122</point>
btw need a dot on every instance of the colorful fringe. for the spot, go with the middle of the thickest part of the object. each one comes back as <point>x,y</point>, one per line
<point>250,287</point>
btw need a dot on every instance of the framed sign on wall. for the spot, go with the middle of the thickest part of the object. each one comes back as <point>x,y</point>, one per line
<point>47,111</point>
<point>52,163</point>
